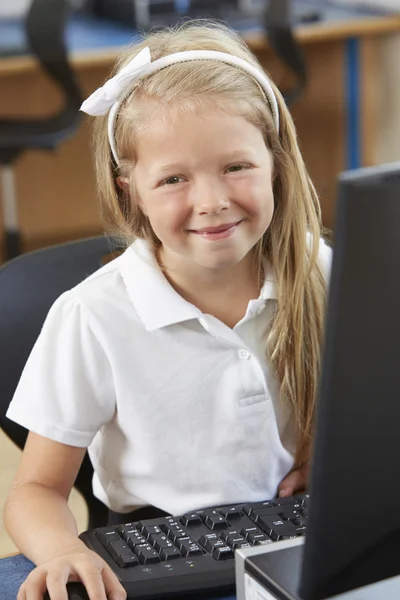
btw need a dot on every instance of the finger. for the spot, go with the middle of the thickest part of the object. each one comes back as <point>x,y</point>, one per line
<point>294,482</point>
<point>114,589</point>
<point>34,586</point>
<point>93,582</point>
<point>21,592</point>
<point>57,583</point>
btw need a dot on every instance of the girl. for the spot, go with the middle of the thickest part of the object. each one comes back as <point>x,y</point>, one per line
<point>188,366</point>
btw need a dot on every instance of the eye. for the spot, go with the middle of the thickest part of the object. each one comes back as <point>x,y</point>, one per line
<point>172,180</point>
<point>238,167</point>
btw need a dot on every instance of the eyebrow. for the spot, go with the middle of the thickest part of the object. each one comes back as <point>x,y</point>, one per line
<point>175,167</point>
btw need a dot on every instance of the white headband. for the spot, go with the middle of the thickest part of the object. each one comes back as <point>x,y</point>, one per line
<point>110,96</point>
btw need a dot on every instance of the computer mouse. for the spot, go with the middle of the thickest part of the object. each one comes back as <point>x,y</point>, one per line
<point>76,591</point>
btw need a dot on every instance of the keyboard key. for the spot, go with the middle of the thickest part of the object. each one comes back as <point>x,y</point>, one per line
<point>230,512</point>
<point>192,549</point>
<point>134,539</point>
<point>211,544</point>
<point>106,536</point>
<point>291,501</point>
<point>117,549</point>
<point>222,553</point>
<point>301,530</point>
<point>185,543</point>
<point>248,530</point>
<point>247,508</point>
<point>191,519</point>
<point>127,560</point>
<point>264,542</point>
<point>304,500</point>
<point>159,541</point>
<point>300,521</point>
<point>214,520</point>
<point>257,537</point>
<point>264,512</point>
<point>148,530</point>
<point>127,529</point>
<point>276,529</point>
<point>146,554</point>
<point>168,553</point>
<point>204,539</point>
<point>229,533</point>
<point>289,514</point>
<point>175,534</point>
<point>234,540</point>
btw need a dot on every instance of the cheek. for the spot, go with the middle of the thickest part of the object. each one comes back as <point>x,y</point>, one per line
<point>167,213</point>
<point>258,199</point>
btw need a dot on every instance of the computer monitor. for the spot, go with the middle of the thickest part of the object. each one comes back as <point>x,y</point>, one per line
<point>353,528</point>
<point>353,533</point>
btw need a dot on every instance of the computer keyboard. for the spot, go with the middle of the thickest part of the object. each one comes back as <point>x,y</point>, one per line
<point>171,556</point>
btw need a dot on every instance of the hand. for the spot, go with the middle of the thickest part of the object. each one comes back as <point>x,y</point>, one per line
<point>295,482</point>
<point>88,567</point>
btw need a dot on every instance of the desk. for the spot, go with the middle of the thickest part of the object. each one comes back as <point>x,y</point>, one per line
<point>56,192</point>
<point>15,568</point>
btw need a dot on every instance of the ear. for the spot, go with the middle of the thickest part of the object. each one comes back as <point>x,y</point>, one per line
<point>123,183</point>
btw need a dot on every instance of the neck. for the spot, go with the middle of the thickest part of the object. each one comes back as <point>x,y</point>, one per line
<point>223,293</point>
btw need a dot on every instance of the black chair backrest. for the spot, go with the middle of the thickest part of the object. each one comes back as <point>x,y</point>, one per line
<point>45,29</point>
<point>29,285</point>
<point>278,22</point>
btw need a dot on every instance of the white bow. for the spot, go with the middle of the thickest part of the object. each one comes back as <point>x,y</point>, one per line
<point>100,102</point>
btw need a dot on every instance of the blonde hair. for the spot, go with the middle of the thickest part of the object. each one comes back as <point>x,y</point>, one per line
<point>291,243</point>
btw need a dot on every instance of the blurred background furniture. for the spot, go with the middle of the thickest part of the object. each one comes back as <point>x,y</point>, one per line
<point>347,116</point>
<point>45,28</point>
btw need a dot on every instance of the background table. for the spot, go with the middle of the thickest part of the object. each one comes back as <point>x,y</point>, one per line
<point>337,117</point>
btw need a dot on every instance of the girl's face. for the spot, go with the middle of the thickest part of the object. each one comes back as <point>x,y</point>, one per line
<point>205,182</point>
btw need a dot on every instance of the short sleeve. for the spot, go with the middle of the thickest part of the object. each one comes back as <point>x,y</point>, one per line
<point>325,259</point>
<point>66,390</point>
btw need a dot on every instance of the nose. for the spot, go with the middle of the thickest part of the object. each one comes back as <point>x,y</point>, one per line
<point>209,198</point>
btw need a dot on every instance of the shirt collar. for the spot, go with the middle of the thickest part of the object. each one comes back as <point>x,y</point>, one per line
<point>268,290</point>
<point>155,300</point>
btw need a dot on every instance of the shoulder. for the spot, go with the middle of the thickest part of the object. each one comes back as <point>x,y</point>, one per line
<point>102,290</point>
<point>93,302</point>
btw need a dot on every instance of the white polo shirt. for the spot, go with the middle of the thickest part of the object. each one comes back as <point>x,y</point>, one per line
<point>177,409</point>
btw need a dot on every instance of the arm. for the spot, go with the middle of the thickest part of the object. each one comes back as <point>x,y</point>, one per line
<point>39,496</point>
<point>38,519</point>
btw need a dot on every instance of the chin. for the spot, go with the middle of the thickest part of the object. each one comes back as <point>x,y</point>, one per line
<point>215,262</point>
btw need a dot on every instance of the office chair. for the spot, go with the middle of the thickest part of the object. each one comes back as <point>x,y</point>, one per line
<point>29,285</point>
<point>45,26</point>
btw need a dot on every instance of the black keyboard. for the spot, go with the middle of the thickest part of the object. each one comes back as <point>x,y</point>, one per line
<point>194,553</point>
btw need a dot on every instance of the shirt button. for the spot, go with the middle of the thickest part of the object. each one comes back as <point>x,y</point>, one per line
<point>244,354</point>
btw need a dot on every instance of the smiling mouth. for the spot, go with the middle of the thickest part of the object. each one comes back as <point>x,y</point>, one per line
<point>217,233</point>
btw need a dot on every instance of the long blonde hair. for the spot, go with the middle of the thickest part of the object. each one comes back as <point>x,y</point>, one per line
<point>291,243</point>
